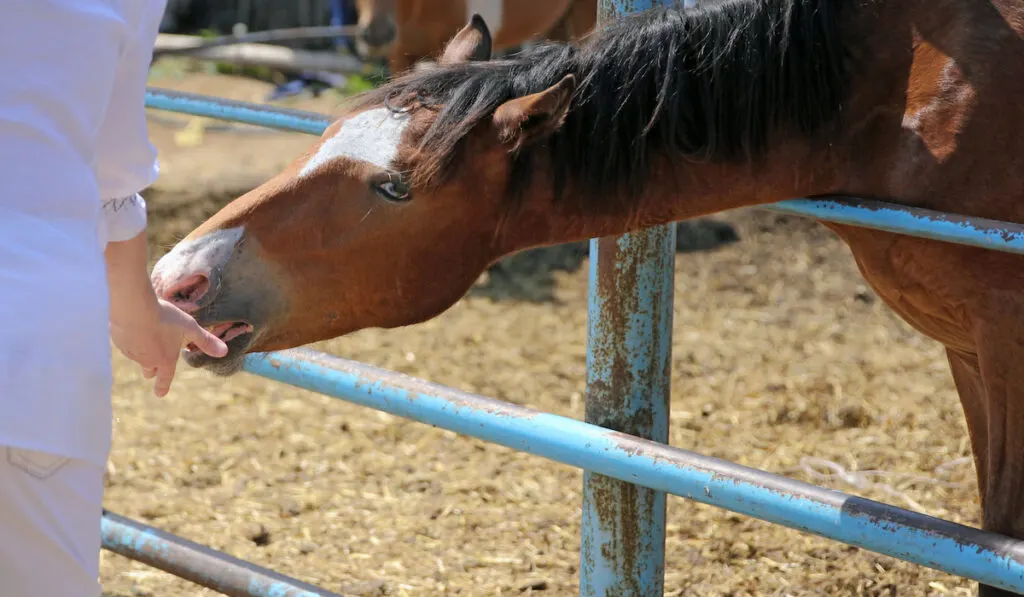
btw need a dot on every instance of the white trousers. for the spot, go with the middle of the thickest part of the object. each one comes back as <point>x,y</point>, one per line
<point>50,508</point>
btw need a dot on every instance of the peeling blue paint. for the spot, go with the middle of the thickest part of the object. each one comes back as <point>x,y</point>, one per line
<point>957,549</point>
<point>629,349</point>
<point>913,221</point>
<point>629,336</point>
<point>197,563</point>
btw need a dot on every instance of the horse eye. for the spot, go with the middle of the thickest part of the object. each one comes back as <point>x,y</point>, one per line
<point>393,191</point>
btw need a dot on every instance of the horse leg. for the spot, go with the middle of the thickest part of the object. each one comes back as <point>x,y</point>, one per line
<point>973,397</point>
<point>967,378</point>
<point>970,300</point>
<point>991,388</point>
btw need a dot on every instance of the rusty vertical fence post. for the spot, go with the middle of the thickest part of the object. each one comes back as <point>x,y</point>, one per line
<point>629,342</point>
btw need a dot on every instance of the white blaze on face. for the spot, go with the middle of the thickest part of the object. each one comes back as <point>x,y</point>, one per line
<point>489,10</point>
<point>372,137</point>
<point>197,256</point>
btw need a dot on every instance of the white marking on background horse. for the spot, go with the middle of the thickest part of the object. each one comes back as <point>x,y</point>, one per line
<point>490,10</point>
<point>372,136</point>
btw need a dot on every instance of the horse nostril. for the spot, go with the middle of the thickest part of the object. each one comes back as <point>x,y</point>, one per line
<point>186,293</point>
<point>379,33</point>
<point>388,31</point>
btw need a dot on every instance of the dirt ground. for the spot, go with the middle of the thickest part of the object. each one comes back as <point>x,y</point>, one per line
<point>783,360</point>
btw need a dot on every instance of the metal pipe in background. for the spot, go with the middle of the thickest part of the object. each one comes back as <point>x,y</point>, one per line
<point>196,44</point>
<point>197,563</point>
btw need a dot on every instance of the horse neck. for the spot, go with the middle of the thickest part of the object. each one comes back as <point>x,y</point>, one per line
<point>678,190</point>
<point>793,166</point>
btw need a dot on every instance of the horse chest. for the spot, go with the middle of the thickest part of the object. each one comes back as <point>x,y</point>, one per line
<point>913,277</point>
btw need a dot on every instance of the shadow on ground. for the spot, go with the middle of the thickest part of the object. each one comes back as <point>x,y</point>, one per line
<point>529,276</point>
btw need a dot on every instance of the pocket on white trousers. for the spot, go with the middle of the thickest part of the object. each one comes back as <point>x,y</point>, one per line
<point>38,464</point>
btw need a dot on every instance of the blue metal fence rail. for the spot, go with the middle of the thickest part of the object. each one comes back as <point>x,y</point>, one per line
<point>987,557</point>
<point>198,563</point>
<point>628,468</point>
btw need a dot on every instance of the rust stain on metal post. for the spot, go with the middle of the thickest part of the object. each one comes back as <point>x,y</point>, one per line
<point>628,371</point>
<point>622,547</point>
<point>629,339</point>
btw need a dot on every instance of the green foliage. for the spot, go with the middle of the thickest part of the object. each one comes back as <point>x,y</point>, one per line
<point>357,84</point>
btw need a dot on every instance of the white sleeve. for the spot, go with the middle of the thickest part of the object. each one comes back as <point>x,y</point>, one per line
<point>125,217</point>
<point>126,160</point>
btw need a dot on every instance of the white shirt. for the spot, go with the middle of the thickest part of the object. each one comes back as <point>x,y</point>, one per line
<point>74,153</point>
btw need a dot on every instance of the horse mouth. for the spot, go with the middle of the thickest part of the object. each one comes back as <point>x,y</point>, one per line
<point>228,330</point>
<point>238,335</point>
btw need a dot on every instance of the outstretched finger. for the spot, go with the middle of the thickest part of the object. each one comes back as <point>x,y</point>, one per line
<point>205,341</point>
<point>164,376</point>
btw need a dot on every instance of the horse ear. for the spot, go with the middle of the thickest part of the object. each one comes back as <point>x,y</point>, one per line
<point>473,42</point>
<point>531,118</point>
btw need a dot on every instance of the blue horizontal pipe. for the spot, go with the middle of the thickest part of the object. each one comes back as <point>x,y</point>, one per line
<point>197,563</point>
<point>978,232</point>
<point>914,221</point>
<point>957,549</point>
<point>285,119</point>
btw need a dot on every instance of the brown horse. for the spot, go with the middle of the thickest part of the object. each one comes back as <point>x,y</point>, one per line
<point>407,31</point>
<point>659,117</point>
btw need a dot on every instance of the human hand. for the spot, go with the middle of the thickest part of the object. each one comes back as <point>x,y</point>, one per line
<point>148,330</point>
<point>156,342</point>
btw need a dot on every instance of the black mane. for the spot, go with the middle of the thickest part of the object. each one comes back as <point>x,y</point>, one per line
<point>709,83</point>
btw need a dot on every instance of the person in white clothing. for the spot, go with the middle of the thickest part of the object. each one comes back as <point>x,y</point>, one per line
<point>74,155</point>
